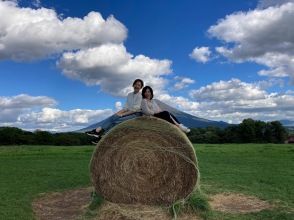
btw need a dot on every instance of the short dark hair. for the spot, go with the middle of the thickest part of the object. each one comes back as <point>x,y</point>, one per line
<point>144,90</point>
<point>138,80</point>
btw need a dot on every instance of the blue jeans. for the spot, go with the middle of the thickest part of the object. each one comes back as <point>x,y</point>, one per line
<point>115,120</point>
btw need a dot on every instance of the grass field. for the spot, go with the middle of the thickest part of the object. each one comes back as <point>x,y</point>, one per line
<point>262,170</point>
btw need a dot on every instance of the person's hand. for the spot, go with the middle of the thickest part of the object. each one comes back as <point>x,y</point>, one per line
<point>119,114</point>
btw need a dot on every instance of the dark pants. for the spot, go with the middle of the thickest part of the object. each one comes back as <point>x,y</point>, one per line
<point>167,116</point>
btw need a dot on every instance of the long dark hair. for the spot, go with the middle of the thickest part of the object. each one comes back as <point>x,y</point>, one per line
<point>144,90</point>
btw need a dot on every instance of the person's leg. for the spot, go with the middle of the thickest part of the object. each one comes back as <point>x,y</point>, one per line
<point>106,123</point>
<point>109,122</point>
<point>124,118</point>
<point>119,120</point>
<point>165,115</point>
<point>174,118</point>
<point>177,123</point>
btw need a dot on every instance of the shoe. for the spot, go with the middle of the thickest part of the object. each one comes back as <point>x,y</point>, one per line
<point>184,128</point>
<point>96,141</point>
<point>94,133</point>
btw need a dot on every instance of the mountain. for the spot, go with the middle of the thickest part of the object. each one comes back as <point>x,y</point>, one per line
<point>188,120</point>
<point>287,123</point>
<point>191,121</point>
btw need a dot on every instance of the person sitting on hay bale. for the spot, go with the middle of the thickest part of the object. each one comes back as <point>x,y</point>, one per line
<point>150,107</point>
<point>132,109</point>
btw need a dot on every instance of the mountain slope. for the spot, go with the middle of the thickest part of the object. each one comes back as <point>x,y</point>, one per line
<point>185,118</point>
<point>287,123</point>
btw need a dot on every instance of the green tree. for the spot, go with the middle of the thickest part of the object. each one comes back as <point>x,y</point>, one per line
<point>43,138</point>
<point>247,131</point>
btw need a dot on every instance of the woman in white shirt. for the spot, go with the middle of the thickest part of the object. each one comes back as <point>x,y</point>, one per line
<point>132,109</point>
<point>150,107</point>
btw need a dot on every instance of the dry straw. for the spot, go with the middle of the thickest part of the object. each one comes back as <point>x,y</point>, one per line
<point>144,160</point>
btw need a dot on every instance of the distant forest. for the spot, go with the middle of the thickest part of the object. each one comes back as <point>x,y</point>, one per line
<point>16,136</point>
<point>249,131</point>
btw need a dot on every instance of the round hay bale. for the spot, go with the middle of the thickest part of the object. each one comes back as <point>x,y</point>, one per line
<point>145,160</point>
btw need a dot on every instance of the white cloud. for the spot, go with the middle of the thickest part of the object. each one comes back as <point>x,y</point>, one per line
<point>36,3</point>
<point>26,101</point>
<point>228,90</point>
<point>59,120</point>
<point>201,54</point>
<point>11,107</point>
<point>180,102</point>
<point>114,69</point>
<point>183,82</point>
<point>28,34</point>
<point>92,48</point>
<point>118,106</point>
<point>37,112</point>
<point>235,100</point>
<point>269,3</point>
<point>264,36</point>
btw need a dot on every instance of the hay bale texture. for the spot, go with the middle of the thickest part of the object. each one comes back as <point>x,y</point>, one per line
<point>145,160</point>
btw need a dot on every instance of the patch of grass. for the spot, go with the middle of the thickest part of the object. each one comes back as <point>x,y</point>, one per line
<point>262,170</point>
<point>26,171</point>
<point>177,208</point>
<point>198,202</point>
<point>93,208</point>
<point>97,201</point>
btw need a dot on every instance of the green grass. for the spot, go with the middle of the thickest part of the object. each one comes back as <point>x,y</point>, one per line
<point>262,170</point>
<point>27,171</point>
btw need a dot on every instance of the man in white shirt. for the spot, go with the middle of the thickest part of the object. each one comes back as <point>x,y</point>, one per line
<point>132,109</point>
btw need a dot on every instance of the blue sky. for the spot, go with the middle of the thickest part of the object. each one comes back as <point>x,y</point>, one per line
<point>67,64</point>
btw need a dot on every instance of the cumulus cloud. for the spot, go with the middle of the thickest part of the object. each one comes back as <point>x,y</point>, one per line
<point>59,120</point>
<point>201,54</point>
<point>39,112</point>
<point>182,82</point>
<point>114,69</point>
<point>118,106</point>
<point>26,101</point>
<point>36,3</point>
<point>11,107</point>
<point>228,90</point>
<point>183,103</point>
<point>269,3</point>
<point>91,48</point>
<point>28,34</point>
<point>235,100</point>
<point>264,36</point>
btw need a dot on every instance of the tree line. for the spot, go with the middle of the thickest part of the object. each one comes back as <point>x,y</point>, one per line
<point>249,131</point>
<point>16,136</point>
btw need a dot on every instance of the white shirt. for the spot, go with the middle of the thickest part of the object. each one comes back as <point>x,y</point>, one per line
<point>133,102</point>
<point>150,107</point>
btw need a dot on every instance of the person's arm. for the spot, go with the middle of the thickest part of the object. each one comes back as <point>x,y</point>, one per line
<point>137,104</point>
<point>157,109</point>
<point>125,109</point>
<point>145,109</point>
<point>127,112</point>
<point>121,112</point>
